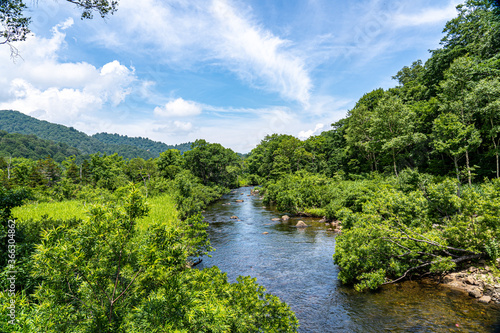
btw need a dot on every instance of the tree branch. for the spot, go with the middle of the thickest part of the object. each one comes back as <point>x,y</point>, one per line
<point>123,292</point>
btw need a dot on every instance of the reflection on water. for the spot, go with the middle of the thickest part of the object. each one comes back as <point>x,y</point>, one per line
<point>296,265</point>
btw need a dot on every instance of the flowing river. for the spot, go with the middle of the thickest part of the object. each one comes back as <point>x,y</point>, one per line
<point>296,265</point>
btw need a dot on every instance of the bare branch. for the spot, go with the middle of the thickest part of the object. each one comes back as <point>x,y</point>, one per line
<point>123,292</point>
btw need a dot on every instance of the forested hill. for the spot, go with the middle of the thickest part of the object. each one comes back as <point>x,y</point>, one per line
<point>17,122</point>
<point>154,147</point>
<point>32,147</point>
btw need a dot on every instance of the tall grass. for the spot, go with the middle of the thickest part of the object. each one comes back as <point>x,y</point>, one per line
<point>57,210</point>
<point>162,208</point>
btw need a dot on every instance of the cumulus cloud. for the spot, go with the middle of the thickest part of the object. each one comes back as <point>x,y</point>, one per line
<point>183,126</point>
<point>306,134</point>
<point>179,108</point>
<point>41,84</point>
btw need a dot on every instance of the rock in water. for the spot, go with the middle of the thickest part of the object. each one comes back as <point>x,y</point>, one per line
<point>234,217</point>
<point>485,299</point>
<point>285,217</point>
<point>301,224</point>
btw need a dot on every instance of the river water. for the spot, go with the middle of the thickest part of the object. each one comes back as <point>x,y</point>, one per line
<point>297,266</point>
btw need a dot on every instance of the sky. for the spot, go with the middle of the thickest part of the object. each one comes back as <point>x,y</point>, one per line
<point>227,71</point>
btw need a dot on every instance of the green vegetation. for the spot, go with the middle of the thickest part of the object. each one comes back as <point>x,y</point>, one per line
<point>31,147</point>
<point>411,172</point>
<point>154,147</point>
<point>96,253</point>
<point>64,210</point>
<point>65,137</point>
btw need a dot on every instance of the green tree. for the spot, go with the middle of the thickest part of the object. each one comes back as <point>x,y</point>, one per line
<point>393,125</point>
<point>209,161</point>
<point>91,272</point>
<point>452,137</point>
<point>458,84</point>
<point>71,171</point>
<point>428,230</point>
<point>139,170</point>
<point>107,171</point>
<point>169,163</point>
<point>486,98</point>
<point>359,135</point>
<point>114,273</point>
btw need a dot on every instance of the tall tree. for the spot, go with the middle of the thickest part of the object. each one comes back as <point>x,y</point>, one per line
<point>393,125</point>
<point>486,97</point>
<point>454,138</point>
<point>358,133</point>
<point>209,161</point>
<point>457,85</point>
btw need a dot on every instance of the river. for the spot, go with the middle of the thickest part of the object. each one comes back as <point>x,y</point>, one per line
<point>297,266</point>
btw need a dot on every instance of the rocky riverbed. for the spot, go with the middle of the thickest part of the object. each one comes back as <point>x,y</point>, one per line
<point>481,282</point>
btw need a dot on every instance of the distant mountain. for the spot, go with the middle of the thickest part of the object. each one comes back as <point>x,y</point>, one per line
<point>17,122</point>
<point>32,147</point>
<point>154,147</point>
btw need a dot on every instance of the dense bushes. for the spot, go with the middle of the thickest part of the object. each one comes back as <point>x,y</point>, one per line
<point>431,229</point>
<point>120,270</point>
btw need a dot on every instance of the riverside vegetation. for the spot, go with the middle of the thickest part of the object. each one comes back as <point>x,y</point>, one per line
<point>412,173</point>
<point>96,253</point>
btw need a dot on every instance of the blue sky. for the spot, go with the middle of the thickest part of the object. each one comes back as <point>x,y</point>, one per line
<point>228,71</point>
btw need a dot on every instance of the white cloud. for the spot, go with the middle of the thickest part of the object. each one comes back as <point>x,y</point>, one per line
<point>187,34</point>
<point>183,126</point>
<point>179,108</point>
<point>306,134</point>
<point>51,104</point>
<point>255,54</point>
<point>41,84</point>
<point>427,16</point>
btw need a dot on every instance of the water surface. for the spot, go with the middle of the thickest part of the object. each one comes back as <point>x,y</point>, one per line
<point>297,265</point>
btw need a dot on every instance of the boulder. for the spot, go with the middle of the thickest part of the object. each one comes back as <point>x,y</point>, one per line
<point>475,292</point>
<point>265,233</point>
<point>234,217</point>
<point>485,299</point>
<point>239,200</point>
<point>301,224</point>
<point>285,217</point>
<point>275,219</point>
<point>470,280</point>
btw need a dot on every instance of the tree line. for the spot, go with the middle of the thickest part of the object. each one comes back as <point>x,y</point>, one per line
<point>128,147</point>
<point>442,118</point>
<point>411,174</point>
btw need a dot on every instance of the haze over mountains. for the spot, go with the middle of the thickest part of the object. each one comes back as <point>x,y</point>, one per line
<point>128,147</point>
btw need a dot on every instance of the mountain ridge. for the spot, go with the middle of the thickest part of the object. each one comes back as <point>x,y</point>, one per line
<point>129,147</point>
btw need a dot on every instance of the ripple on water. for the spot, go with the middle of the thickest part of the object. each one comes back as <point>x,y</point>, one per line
<point>297,266</point>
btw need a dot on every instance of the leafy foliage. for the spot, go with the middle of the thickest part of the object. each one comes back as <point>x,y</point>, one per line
<point>399,234</point>
<point>154,147</point>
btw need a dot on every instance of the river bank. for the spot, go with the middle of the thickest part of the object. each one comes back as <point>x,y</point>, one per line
<point>479,281</point>
<point>296,265</point>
